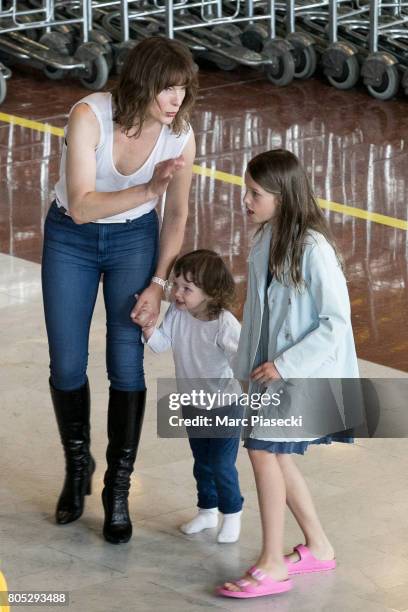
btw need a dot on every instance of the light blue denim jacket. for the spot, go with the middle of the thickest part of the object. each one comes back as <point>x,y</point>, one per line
<point>310,333</point>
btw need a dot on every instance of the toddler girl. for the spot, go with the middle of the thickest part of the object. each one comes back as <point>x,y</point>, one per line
<point>204,335</point>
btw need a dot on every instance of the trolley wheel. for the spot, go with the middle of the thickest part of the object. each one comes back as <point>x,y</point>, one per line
<point>254,36</point>
<point>105,42</point>
<point>3,88</point>
<point>304,54</point>
<point>282,71</point>
<point>97,73</point>
<point>55,74</point>
<point>380,75</point>
<point>68,33</point>
<point>222,62</point>
<point>340,65</point>
<point>229,31</point>
<point>60,42</point>
<point>405,82</point>
<point>121,53</point>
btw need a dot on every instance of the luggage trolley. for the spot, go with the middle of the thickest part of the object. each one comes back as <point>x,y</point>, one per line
<point>203,26</point>
<point>313,28</point>
<point>111,18</point>
<point>52,52</point>
<point>220,34</point>
<point>73,31</point>
<point>371,34</point>
<point>5,73</point>
<point>367,34</point>
<point>303,44</point>
<point>324,21</point>
<point>387,41</point>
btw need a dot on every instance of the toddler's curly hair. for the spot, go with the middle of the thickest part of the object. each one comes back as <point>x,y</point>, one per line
<point>207,270</point>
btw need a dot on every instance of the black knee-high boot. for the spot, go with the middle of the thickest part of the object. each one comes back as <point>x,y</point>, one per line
<point>72,409</point>
<point>125,420</point>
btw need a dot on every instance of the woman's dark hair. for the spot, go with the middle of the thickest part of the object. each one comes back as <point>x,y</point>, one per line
<point>280,172</point>
<point>150,67</point>
<point>208,271</point>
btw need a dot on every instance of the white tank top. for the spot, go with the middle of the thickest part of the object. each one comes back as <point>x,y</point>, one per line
<point>108,178</point>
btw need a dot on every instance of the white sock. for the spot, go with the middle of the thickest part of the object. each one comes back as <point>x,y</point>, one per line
<point>206,518</point>
<point>231,528</point>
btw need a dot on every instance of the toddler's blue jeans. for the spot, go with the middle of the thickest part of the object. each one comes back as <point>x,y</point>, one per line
<point>216,474</point>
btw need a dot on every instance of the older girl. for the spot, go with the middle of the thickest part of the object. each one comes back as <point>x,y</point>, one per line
<point>296,325</point>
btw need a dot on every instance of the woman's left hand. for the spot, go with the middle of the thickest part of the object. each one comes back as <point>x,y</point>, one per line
<point>147,302</point>
<point>265,373</point>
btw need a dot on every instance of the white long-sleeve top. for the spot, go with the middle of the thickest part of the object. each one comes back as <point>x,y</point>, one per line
<point>202,350</point>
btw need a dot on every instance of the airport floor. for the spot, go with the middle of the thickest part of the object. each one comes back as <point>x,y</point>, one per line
<point>355,149</point>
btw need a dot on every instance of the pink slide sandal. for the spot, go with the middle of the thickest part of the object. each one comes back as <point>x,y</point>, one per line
<point>265,586</point>
<point>308,563</point>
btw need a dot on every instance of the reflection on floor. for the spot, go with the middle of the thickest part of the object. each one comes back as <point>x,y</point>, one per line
<point>360,491</point>
<point>354,148</point>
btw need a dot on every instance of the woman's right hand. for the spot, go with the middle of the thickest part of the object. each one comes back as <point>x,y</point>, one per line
<point>162,175</point>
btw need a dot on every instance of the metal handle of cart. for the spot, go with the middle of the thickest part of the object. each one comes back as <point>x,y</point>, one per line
<point>209,17</point>
<point>43,18</point>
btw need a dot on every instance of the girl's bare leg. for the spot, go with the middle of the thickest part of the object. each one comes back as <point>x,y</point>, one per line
<point>270,486</point>
<point>300,503</point>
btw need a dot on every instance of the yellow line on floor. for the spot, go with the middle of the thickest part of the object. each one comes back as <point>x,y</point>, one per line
<point>31,125</point>
<point>218,175</point>
<point>360,213</point>
<point>4,607</point>
<point>350,211</point>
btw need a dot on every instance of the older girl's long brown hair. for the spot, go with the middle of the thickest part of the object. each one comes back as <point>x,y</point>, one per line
<point>280,172</point>
<point>150,67</point>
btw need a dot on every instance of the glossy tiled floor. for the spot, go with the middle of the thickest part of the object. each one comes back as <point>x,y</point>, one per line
<point>356,152</point>
<point>361,492</point>
<point>354,148</point>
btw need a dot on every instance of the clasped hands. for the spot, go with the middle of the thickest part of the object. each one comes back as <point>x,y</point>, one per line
<point>147,308</point>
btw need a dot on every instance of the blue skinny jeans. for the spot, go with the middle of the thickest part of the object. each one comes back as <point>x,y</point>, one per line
<point>75,257</point>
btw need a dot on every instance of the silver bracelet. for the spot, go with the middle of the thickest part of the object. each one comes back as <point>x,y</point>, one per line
<point>160,281</point>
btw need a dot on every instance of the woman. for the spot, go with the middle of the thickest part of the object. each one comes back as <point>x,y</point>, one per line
<point>122,152</point>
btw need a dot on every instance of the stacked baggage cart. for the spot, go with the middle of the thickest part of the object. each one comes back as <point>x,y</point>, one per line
<point>350,40</point>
